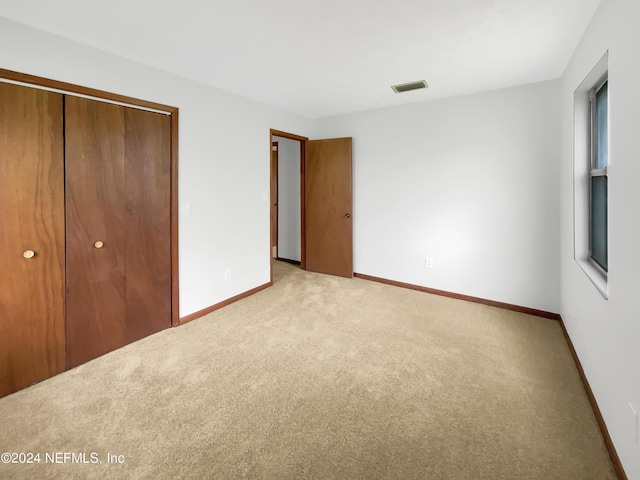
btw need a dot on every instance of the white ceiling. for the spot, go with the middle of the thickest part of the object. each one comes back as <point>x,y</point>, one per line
<point>321,58</point>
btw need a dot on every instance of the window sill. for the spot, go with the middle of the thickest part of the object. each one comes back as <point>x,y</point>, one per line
<point>597,276</point>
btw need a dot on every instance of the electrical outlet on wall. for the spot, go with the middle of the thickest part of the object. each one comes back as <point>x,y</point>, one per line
<point>227,273</point>
<point>428,263</point>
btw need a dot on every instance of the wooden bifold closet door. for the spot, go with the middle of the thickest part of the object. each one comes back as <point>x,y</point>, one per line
<point>85,238</point>
<point>32,328</point>
<point>118,268</point>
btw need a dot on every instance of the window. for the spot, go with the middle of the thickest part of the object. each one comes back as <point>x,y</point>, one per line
<point>591,170</point>
<point>598,181</point>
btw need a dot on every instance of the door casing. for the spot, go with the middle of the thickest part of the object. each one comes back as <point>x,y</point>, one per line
<point>303,148</point>
<point>274,199</point>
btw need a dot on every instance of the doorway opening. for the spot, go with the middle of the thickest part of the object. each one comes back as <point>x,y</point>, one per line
<point>287,242</point>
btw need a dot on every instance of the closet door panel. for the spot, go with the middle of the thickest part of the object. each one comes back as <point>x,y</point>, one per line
<point>95,193</point>
<point>148,222</point>
<point>32,331</point>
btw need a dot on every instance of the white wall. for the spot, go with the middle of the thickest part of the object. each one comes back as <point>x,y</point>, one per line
<point>469,181</point>
<point>223,163</point>
<point>288,198</point>
<point>606,333</point>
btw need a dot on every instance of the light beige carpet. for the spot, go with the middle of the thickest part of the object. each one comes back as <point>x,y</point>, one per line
<point>321,378</point>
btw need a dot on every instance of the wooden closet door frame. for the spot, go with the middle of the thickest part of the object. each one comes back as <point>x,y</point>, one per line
<point>71,89</point>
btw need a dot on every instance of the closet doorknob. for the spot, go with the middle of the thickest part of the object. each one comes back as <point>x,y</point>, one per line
<point>98,244</point>
<point>28,254</point>
<point>347,215</point>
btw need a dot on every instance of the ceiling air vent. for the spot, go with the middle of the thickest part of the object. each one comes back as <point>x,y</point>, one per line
<point>406,87</point>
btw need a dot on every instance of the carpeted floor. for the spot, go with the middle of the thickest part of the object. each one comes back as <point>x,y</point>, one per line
<point>320,377</point>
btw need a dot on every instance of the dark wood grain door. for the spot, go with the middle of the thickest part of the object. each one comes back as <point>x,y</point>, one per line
<point>118,226</point>
<point>32,330</point>
<point>95,207</point>
<point>147,223</point>
<point>328,205</point>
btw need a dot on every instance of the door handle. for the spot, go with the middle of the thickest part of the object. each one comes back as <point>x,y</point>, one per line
<point>347,215</point>
<point>28,254</point>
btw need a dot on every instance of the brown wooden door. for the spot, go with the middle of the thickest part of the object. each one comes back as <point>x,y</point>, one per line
<point>32,329</point>
<point>328,205</point>
<point>147,223</point>
<point>95,174</point>
<point>118,226</point>
<point>274,199</point>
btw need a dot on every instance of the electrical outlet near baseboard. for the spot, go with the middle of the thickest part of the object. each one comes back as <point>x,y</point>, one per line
<point>227,273</point>
<point>428,263</point>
